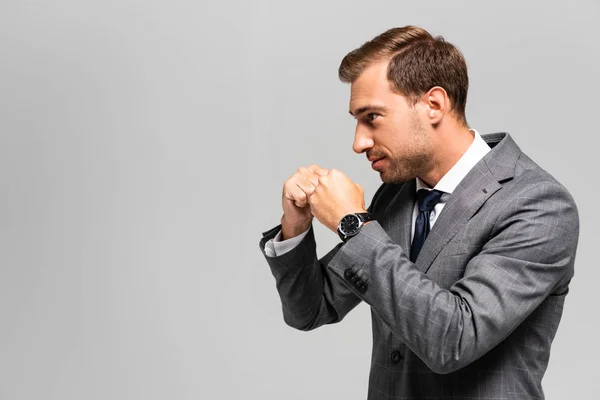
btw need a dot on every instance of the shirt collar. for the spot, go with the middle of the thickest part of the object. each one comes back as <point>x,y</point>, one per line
<point>476,151</point>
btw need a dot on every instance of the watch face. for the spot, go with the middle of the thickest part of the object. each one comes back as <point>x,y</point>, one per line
<point>349,224</point>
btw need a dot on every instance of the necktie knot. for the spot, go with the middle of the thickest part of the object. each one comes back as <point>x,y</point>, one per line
<point>428,199</point>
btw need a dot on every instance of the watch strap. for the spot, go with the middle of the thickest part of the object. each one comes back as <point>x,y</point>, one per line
<point>364,217</point>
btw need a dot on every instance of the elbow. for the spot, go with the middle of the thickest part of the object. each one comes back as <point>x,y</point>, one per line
<point>296,323</point>
<point>444,369</point>
<point>446,364</point>
<point>447,357</point>
<point>309,322</point>
<point>298,326</point>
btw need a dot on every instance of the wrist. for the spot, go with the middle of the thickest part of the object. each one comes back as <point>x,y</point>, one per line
<point>352,223</point>
<point>293,229</point>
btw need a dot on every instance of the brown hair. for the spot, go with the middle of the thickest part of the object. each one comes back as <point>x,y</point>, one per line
<point>418,62</point>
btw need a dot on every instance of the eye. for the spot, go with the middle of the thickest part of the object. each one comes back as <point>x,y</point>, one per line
<point>371,117</point>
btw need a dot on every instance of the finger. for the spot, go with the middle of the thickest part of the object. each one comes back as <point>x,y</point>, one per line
<point>304,174</point>
<point>315,169</point>
<point>295,194</point>
<point>324,178</point>
<point>306,180</point>
<point>299,197</point>
<point>306,186</point>
<point>312,179</point>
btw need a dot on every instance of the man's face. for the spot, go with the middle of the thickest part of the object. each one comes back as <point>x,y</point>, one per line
<point>388,127</point>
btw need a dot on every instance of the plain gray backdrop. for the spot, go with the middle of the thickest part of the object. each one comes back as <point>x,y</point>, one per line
<point>143,150</point>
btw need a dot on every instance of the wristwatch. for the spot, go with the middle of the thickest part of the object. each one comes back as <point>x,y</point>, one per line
<point>350,224</point>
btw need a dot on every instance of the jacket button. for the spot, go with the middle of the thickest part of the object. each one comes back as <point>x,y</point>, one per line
<point>396,357</point>
<point>348,274</point>
<point>362,287</point>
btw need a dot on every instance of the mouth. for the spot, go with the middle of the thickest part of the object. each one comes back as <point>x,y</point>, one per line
<point>377,164</point>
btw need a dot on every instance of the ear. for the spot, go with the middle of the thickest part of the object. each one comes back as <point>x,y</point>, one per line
<point>437,104</point>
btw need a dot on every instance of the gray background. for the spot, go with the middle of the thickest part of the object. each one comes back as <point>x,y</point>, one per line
<point>143,148</point>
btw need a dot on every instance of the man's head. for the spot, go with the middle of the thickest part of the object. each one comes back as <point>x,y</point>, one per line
<point>405,86</point>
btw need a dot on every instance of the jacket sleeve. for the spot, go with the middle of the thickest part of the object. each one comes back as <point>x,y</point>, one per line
<point>311,295</point>
<point>529,256</point>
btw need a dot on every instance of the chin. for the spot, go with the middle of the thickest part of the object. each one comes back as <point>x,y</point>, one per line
<point>392,179</point>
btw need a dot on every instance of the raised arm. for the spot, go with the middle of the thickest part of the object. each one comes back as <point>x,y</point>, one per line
<point>529,256</point>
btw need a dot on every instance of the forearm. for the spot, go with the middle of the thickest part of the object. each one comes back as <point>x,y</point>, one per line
<point>290,230</point>
<point>415,308</point>
<point>450,328</point>
<point>310,295</point>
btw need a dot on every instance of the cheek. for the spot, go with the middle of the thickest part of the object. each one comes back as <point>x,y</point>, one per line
<point>398,142</point>
<point>398,130</point>
<point>387,136</point>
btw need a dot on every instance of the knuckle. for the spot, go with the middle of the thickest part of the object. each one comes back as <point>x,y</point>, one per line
<point>289,185</point>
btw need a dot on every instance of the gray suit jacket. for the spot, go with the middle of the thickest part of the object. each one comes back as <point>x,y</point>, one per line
<point>475,316</point>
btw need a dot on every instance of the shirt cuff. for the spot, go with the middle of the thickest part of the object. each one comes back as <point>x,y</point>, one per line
<point>277,247</point>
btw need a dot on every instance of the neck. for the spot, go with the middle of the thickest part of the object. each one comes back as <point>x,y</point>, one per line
<point>449,143</point>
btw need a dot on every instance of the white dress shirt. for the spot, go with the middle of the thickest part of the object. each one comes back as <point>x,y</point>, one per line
<point>476,151</point>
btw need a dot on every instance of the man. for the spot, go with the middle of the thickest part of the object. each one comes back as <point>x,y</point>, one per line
<point>465,253</point>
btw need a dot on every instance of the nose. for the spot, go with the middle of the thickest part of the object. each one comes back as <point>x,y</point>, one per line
<point>362,139</point>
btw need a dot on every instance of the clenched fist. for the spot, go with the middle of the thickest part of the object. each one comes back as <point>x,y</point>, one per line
<point>297,215</point>
<point>335,196</point>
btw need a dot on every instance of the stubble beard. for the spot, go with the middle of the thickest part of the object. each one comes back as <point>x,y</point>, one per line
<point>415,158</point>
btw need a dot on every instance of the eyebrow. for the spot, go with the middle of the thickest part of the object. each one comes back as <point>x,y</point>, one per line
<point>367,108</point>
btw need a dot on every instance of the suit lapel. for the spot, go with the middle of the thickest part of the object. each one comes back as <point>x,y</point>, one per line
<point>406,203</point>
<point>396,219</point>
<point>472,192</point>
